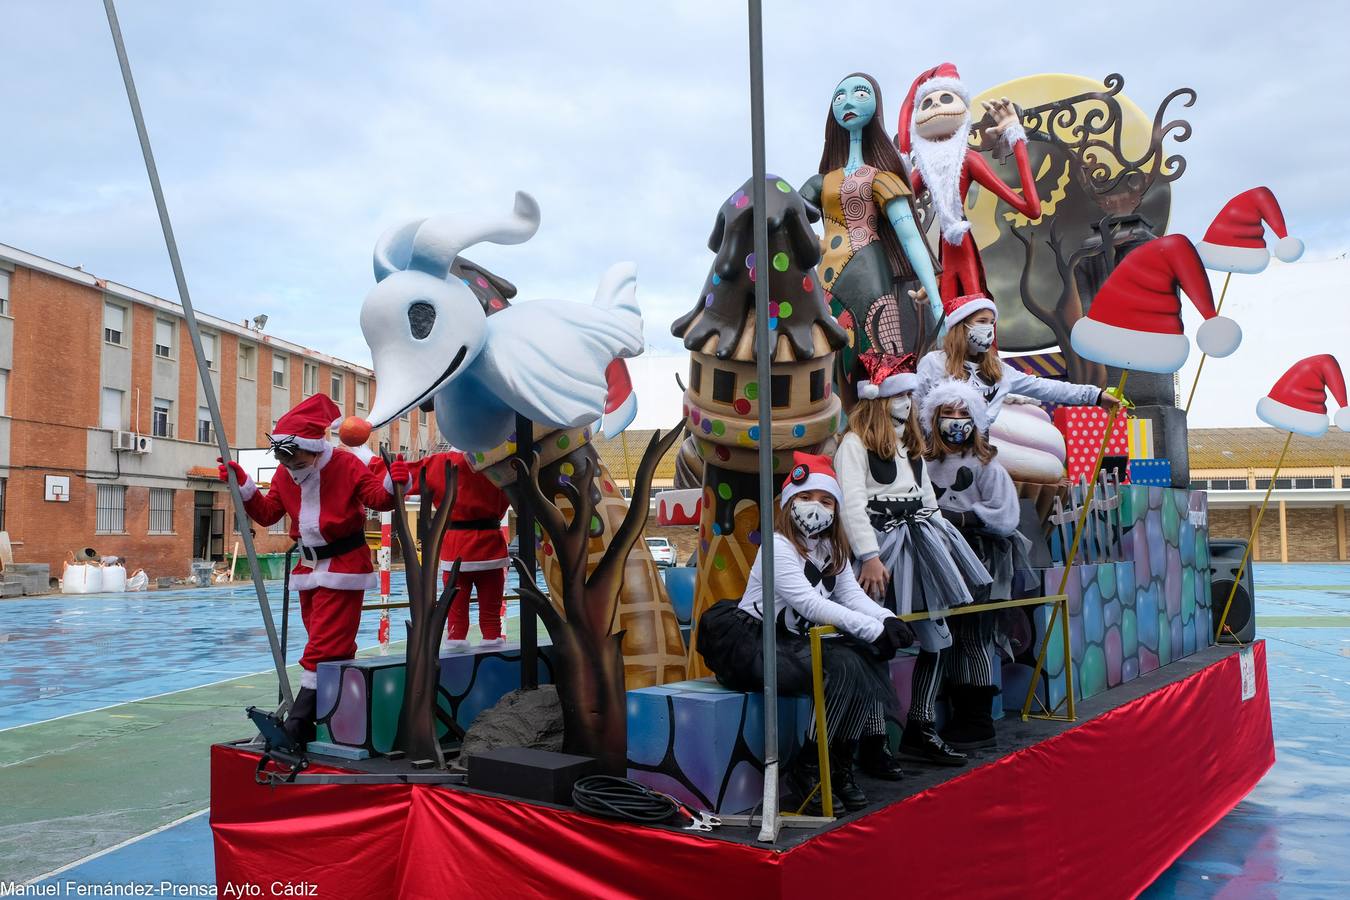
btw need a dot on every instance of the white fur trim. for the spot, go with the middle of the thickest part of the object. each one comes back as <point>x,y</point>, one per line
<point>313,445</point>
<point>1288,249</point>
<point>1218,337</point>
<point>1242,260</point>
<point>814,482</point>
<point>1300,421</point>
<point>1013,134</point>
<point>955,85</point>
<point>956,232</point>
<point>319,576</point>
<point>479,565</point>
<point>950,391</point>
<point>309,679</point>
<point>389,484</point>
<point>248,490</point>
<point>893,386</point>
<point>309,510</point>
<point>1343,418</point>
<point>1143,351</point>
<point>970,308</point>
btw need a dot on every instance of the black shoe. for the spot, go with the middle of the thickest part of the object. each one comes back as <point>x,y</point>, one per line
<point>874,758</point>
<point>299,724</point>
<point>972,722</point>
<point>920,741</point>
<point>801,780</point>
<point>841,776</point>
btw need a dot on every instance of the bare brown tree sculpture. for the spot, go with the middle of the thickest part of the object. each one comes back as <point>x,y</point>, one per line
<point>428,606</point>
<point>1060,314</point>
<point>588,659</point>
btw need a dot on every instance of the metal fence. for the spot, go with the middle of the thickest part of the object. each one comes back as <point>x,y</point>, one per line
<point>161,511</point>
<point>111,513</point>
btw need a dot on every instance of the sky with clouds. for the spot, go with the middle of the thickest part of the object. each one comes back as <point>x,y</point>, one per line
<point>289,135</point>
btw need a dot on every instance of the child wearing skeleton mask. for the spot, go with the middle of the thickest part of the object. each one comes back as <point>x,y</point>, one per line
<point>969,354</point>
<point>813,585</point>
<point>908,556</point>
<point>976,494</point>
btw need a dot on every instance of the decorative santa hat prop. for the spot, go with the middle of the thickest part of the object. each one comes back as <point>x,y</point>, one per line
<point>306,425</point>
<point>937,78</point>
<point>620,400</point>
<point>887,375</point>
<point>958,308</point>
<point>1135,319</point>
<point>1297,402</point>
<point>951,392</point>
<point>1236,240</point>
<point>810,472</point>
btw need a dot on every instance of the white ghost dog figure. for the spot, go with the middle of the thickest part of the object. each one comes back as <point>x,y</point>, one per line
<point>429,336</point>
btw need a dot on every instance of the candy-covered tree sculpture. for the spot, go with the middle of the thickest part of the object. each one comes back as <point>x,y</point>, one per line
<point>722,401</point>
<point>580,617</point>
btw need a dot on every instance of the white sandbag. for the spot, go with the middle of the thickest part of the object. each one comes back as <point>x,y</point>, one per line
<point>79,578</point>
<point>138,581</point>
<point>114,578</point>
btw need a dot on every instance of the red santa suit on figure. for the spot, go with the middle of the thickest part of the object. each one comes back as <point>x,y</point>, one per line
<point>475,538</point>
<point>945,168</point>
<point>326,502</point>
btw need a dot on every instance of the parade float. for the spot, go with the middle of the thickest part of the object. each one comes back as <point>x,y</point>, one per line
<point>1133,713</point>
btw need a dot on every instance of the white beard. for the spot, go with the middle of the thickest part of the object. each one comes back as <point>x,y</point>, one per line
<point>940,162</point>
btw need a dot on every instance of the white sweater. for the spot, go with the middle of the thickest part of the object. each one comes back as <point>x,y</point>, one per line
<point>847,607</point>
<point>933,368</point>
<point>983,489</point>
<point>859,484</point>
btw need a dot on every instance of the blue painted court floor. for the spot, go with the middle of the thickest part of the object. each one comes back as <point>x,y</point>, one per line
<point>1289,838</point>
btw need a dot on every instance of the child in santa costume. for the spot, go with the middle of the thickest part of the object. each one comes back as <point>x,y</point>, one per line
<point>475,539</point>
<point>908,556</point>
<point>325,491</point>
<point>813,584</point>
<point>968,353</point>
<point>976,494</point>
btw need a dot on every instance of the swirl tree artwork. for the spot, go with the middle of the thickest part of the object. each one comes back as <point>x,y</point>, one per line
<point>580,617</point>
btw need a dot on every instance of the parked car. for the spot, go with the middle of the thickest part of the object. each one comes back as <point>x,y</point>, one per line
<point>662,550</point>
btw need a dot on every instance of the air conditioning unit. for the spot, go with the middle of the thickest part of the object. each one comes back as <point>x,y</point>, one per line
<point>144,444</point>
<point>124,440</point>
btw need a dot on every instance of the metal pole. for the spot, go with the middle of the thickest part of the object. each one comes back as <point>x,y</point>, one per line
<point>529,632</point>
<point>763,357</point>
<point>1247,553</point>
<point>1200,368</point>
<point>190,316</point>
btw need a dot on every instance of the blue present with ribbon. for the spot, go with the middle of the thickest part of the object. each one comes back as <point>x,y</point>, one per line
<point>1154,472</point>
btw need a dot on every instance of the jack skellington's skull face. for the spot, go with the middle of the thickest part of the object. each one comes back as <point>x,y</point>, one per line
<point>940,114</point>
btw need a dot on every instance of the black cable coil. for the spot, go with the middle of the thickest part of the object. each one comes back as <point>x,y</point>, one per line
<point>620,798</point>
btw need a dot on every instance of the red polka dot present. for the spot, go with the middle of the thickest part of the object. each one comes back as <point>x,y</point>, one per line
<point>1083,427</point>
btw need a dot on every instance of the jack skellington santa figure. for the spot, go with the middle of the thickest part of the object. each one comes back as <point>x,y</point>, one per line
<point>933,131</point>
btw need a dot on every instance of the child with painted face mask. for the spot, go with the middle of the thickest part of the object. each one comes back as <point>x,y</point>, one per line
<point>976,494</point>
<point>813,585</point>
<point>908,556</point>
<point>968,354</point>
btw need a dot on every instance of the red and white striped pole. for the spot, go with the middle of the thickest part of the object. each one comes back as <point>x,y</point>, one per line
<point>386,551</point>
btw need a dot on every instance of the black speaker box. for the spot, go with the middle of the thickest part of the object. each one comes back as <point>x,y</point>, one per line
<point>530,774</point>
<point>1224,558</point>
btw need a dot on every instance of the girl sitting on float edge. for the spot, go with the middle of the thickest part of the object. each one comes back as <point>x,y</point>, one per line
<point>812,585</point>
<point>976,494</point>
<point>968,354</point>
<point>908,556</point>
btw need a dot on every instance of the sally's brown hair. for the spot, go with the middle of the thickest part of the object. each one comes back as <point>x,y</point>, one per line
<point>834,536</point>
<point>939,448</point>
<point>871,421</point>
<point>954,345</point>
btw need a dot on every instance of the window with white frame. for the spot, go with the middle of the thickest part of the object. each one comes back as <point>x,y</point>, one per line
<point>110,409</point>
<point>110,513</point>
<point>335,387</point>
<point>164,329</point>
<point>161,511</point>
<point>280,526</point>
<point>4,484</point>
<point>362,394</point>
<point>4,293</point>
<point>205,433</point>
<point>209,344</point>
<point>248,361</point>
<point>114,323</point>
<point>278,370</point>
<point>310,385</point>
<point>4,392</point>
<point>161,418</point>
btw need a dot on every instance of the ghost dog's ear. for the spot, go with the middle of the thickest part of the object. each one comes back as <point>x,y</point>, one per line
<point>431,245</point>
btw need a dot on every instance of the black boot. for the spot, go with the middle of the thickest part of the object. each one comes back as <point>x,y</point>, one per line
<point>875,759</point>
<point>972,722</point>
<point>841,776</point>
<point>299,724</point>
<point>920,741</point>
<point>800,780</point>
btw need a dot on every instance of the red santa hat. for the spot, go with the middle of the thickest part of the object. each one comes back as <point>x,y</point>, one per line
<point>1135,319</point>
<point>1297,402</point>
<point>306,425</point>
<point>1236,239</point>
<point>958,308</point>
<point>887,375</point>
<point>810,472</point>
<point>937,78</point>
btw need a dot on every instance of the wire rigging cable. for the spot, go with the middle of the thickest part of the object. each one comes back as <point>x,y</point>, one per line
<point>619,798</point>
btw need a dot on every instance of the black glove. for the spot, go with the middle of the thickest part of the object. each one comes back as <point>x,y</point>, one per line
<point>966,521</point>
<point>884,646</point>
<point>900,632</point>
